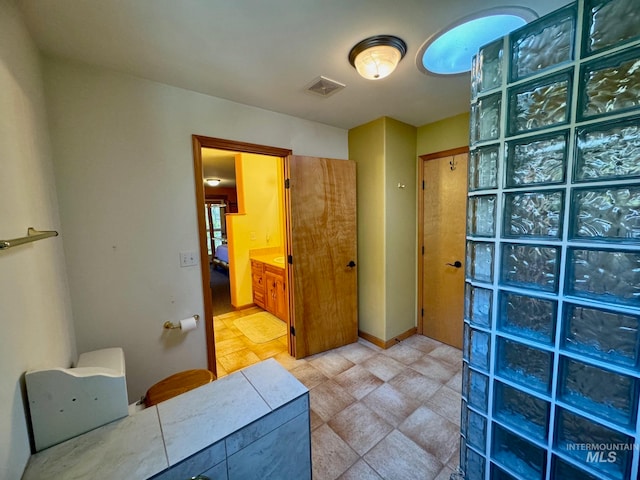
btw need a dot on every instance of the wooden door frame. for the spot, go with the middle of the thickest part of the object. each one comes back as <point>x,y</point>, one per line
<point>421,182</point>
<point>199,142</point>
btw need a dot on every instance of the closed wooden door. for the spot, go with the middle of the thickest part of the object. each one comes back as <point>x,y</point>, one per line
<point>322,241</point>
<point>444,225</point>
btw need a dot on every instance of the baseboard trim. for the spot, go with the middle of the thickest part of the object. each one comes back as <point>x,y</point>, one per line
<point>389,343</point>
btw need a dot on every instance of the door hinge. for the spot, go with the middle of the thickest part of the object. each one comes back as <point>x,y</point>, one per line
<point>423,184</point>
<point>423,249</point>
<point>422,312</point>
<point>286,183</point>
<point>290,259</point>
<point>292,330</point>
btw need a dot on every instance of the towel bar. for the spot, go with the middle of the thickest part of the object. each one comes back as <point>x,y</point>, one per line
<point>32,236</point>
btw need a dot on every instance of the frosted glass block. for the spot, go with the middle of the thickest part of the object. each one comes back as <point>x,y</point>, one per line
<point>610,213</point>
<point>479,265</point>
<point>540,104</point>
<point>610,85</point>
<point>602,334</point>
<point>478,395</point>
<point>608,151</point>
<point>533,214</point>
<point>581,385</point>
<point>528,317</point>
<point>543,44</point>
<point>524,365</point>
<point>586,441</point>
<point>464,418</point>
<point>539,160</point>
<point>517,454</point>
<point>609,276</point>
<point>488,117</point>
<point>565,471</point>
<point>466,378</point>
<point>473,124</point>
<point>481,216</point>
<point>521,411</point>
<point>611,22</point>
<point>477,431</point>
<point>479,349</point>
<point>475,466</point>
<point>466,341</point>
<point>477,305</point>
<point>474,77</point>
<point>530,266</point>
<point>483,168</point>
<point>499,474</point>
<point>490,66</point>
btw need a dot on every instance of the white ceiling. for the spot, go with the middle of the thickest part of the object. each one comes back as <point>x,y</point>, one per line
<point>265,52</point>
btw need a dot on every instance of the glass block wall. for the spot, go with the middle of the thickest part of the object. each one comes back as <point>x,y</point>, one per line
<point>552,300</point>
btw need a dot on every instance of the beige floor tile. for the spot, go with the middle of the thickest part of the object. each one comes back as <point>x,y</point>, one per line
<point>449,354</point>
<point>330,455</point>
<point>231,345</point>
<point>268,349</point>
<point>239,359</point>
<point>399,458</point>
<point>445,474</point>
<point>404,354</point>
<point>329,398</point>
<point>432,432</point>
<point>446,402</point>
<point>358,352</point>
<point>331,363</point>
<point>383,367</point>
<point>360,427</point>
<point>415,385</point>
<point>224,333</point>
<point>309,375</point>
<point>358,381</point>
<point>220,371</point>
<point>288,362</point>
<point>360,471</point>
<point>422,343</point>
<point>315,420</point>
<point>391,404</point>
<point>456,382</point>
<point>434,369</point>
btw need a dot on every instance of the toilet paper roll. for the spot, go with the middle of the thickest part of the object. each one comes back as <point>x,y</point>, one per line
<point>188,324</point>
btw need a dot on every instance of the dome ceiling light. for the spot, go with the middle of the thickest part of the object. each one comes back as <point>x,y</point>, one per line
<point>212,182</point>
<point>450,51</point>
<point>377,57</point>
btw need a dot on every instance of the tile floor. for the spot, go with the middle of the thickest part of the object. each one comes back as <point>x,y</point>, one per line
<point>375,414</point>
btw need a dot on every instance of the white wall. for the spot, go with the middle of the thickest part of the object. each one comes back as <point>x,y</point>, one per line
<point>35,312</point>
<point>124,164</point>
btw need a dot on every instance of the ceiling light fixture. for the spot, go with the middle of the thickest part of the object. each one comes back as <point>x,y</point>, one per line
<point>449,52</point>
<point>212,182</point>
<point>376,57</point>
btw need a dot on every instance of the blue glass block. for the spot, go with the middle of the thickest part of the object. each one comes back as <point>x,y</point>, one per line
<point>466,341</point>
<point>524,365</point>
<point>463,452</point>
<point>474,127</point>
<point>528,317</point>
<point>465,380</point>
<point>608,150</point>
<point>609,213</point>
<point>477,432</point>
<point>609,85</point>
<point>602,334</point>
<point>540,104</point>
<point>565,471</point>
<point>530,266</point>
<point>521,411</point>
<point>475,466</point>
<point>483,168</point>
<point>490,66</point>
<point>609,276</point>
<point>479,265</point>
<point>581,385</point>
<point>543,44</point>
<point>477,305</point>
<point>592,444</point>
<point>479,349</point>
<point>499,474</point>
<point>539,160</point>
<point>488,117</point>
<point>481,216</point>
<point>478,390</point>
<point>533,214</point>
<point>517,454</point>
<point>464,418</point>
<point>610,23</point>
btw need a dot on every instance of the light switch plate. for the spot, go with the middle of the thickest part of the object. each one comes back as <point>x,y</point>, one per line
<point>188,259</point>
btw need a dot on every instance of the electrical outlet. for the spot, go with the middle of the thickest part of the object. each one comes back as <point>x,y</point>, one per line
<point>252,236</point>
<point>188,259</point>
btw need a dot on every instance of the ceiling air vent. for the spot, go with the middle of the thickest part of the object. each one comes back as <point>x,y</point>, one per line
<point>324,86</point>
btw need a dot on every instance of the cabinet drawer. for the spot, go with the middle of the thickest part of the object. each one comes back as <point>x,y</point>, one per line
<point>258,298</point>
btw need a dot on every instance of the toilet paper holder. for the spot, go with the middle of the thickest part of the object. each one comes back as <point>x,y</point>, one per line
<point>170,325</point>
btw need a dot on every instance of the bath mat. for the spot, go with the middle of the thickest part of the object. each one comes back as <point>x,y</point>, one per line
<point>261,327</point>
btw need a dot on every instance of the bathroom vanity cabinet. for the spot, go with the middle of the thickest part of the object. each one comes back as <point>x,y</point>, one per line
<point>251,424</point>
<point>269,288</point>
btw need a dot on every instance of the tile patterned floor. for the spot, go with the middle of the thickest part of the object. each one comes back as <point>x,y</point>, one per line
<point>375,414</point>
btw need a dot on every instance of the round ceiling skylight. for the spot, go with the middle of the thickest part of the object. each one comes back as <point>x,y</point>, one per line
<point>450,51</point>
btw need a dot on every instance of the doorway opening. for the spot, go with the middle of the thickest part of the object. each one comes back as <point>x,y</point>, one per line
<point>238,219</point>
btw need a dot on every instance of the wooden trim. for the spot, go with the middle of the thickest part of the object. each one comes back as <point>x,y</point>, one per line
<point>445,153</point>
<point>389,343</point>
<point>199,142</point>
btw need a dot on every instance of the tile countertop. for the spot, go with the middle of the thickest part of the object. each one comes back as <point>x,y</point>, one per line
<point>135,446</point>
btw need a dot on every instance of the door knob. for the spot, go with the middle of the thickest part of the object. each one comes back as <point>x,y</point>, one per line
<point>456,264</point>
<point>351,264</point>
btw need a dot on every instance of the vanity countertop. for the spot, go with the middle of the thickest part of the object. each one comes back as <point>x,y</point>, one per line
<point>269,259</point>
<point>156,438</point>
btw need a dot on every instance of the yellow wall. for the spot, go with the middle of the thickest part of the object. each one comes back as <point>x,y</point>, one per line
<point>260,223</point>
<point>445,134</point>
